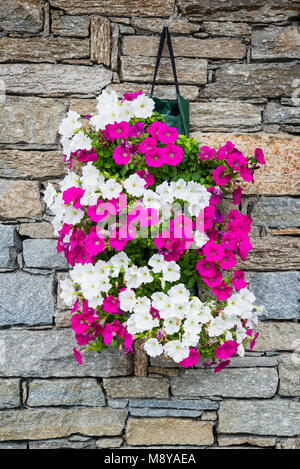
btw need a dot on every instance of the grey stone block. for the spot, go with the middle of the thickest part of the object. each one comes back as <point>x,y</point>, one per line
<point>276,212</point>
<point>278,292</point>
<point>26,299</point>
<point>138,412</point>
<point>10,245</point>
<point>9,393</point>
<point>42,253</point>
<point>49,353</point>
<point>173,403</point>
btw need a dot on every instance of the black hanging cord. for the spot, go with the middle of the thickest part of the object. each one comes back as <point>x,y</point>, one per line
<point>165,33</point>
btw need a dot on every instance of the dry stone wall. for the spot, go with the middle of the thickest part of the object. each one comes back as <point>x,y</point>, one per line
<point>239,66</point>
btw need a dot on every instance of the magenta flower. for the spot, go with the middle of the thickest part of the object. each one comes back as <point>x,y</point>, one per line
<point>111,305</point>
<point>167,134</point>
<point>107,334</point>
<point>228,261</point>
<point>192,359</point>
<point>246,174</point>
<point>131,96</point>
<point>148,145</point>
<point>216,195</point>
<point>206,153</point>
<point>206,268</point>
<point>95,243</point>
<point>213,251</point>
<point>154,158</point>
<point>225,151</point>
<point>74,195</point>
<point>147,176</point>
<point>222,291</point>
<point>226,350</point>
<point>253,341</point>
<point>117,130</point>
<point>78,356</point>
<point>85,156</point>
<point>172,154</point>
<point>229,241</point>
<point>122,155</point>
<point>259,156</point>
<point>214,281</point>
<point>137,129</point>
<point>221,366</point>
<point>182,227</point>
<point>101,211</point>
<point>219,176</point>
<point>236,160</point>
<point>237,194</point>
<point>238,280</point>
<point>153,129</point>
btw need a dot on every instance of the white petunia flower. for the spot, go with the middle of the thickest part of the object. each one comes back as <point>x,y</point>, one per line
<point>67,291</point>
<point>81,141</point>
<point>69,124</point>
<point>177,350</point>
<point>111,189</point>
<point>156,262</point>
<point>127,300</point>
<point>151,199</point>
<point>179,293</point>
<point>172,325</point>
<point>73,216</point>
<point>143,106</point>
<point>120,260</point>
<point>134,185</point>
<point>178,189</point>
<point>163,190</point>
<point>190,339</point>
<point>153,348</point>
<point>171,271</point>
<point>49,195</point>
<point>142,305</point>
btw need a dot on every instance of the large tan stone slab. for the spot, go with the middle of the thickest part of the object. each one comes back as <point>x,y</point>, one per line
<point>260,441</point>
<point>138,68</point>
<point>42,49</point>
<point>100,40</point>
<point>252,10</point>
<point>168,431</point>
<point>277,336</point>
<point>269,417</point>
<point>41,424</point>
<point>37,230</point>
<point>253,80</point>
<point>31,164</point>
<point>137,387</point>
<point>116,8</point>
<point>155,25</point>
<point>40,129</point>
<point>281,174</point>
<point>225,116</point>
<point>19,199</point>
<point>285,254</point>
<point>54,79</point>
<point>9,393</point>
<point>276,42</point>
<point>21,15</point>
<point>289,374</point>
<point>226,28</point>
<point>185,47</point>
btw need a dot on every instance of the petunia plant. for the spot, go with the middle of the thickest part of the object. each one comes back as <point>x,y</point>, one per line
<point>139,221</point>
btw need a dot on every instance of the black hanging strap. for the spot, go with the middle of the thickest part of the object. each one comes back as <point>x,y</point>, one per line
<point>165,33</point>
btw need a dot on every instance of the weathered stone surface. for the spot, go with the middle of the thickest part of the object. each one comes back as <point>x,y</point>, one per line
<point>225,116</point>
<point>31,164</point>
<point>289,443</point>
<point>9,393</point>
<point>117,403</point>
<point>62,25</point>
<point>224,440</point>
<point>41,128</point>
<point>152,412</point>
<point>77,392</point>
<point>280,176</point>
<point>275,212</point>
<point>226,28</point>
<point>40,424</point>
<point>54,80</point>
<point>210,416</point>
<point>117,8</point>
<point>42,253</point>
<point>248,361</point>
<point>189,71</point>
<point>13,445</point>
<point>109,443</point>
<point>277,114</point>
<point>141,359</point>
<point>175,25</point>
<point>185,47</point>
<point>114,55</point>
<point>63,443</point>
<point>252,11</point>
<point>100,40</point>
<point>21,16</point>
<point>62,319</point>
<point>289,384</point>
<point>42,49</point>
<point>61,305</point>
<point>252,382</point>
<point>277,336</point>
<point>174,403</point>
<point>84,107</point>
<point>19,199</point>
<point>163,371</point>
<point>276,42</point>
<point>168,431</point>
<point>9,247</point>
<point>43,354</point>
<point>285,254</point>
<point>164,91</point>
<point>36,230</point>
<point>275,417</point>
<point>253,80</point>
<point>278,292</point>
<point>26,299</point>
<point>137,387</point>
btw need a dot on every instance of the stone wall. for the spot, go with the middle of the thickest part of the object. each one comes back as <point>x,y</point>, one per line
<point>240,68</point>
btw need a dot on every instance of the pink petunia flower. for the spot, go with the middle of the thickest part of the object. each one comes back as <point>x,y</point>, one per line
<point>137,129</point>
<point>214,281</point>
<point>225,151</point>
<point>226,350</point>
<point>122,155</point>
<point>222,291</point>
<point>206,153</point>
<point>253,341</point>
<point>206,268</point>
<point>117,130</point>
<point>246,174</point>
<point>213,251</point>
<point>236,160</point>
<point>228,261</point>
<point>238,280</point>
<point>77,355</point>
<point>147,176</point>
<point>73,194</point>
<point>131,96</point>
<point>95,243</point>
<point>259,156</point>
<point>192,359</point>
<point>85,156</point>
<point>153,129</point>
<point>219,176</point>
<point>167,134</point>
<point>154,158</point>
<point>221,366</point>
<point>172,154</point>
<point>148,145</point>
<point>237,194</point>
<point>111,304</point>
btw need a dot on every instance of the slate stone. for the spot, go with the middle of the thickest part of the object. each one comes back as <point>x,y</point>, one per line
<point>9,393</point>
<point>289,375</point>
<point>276,212</point>
<point>173,403</point>
<point>9,246</point>
<point>26,299</point>
<point>42,253</point>
<point>137,387</point>
<point>275,42</point>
